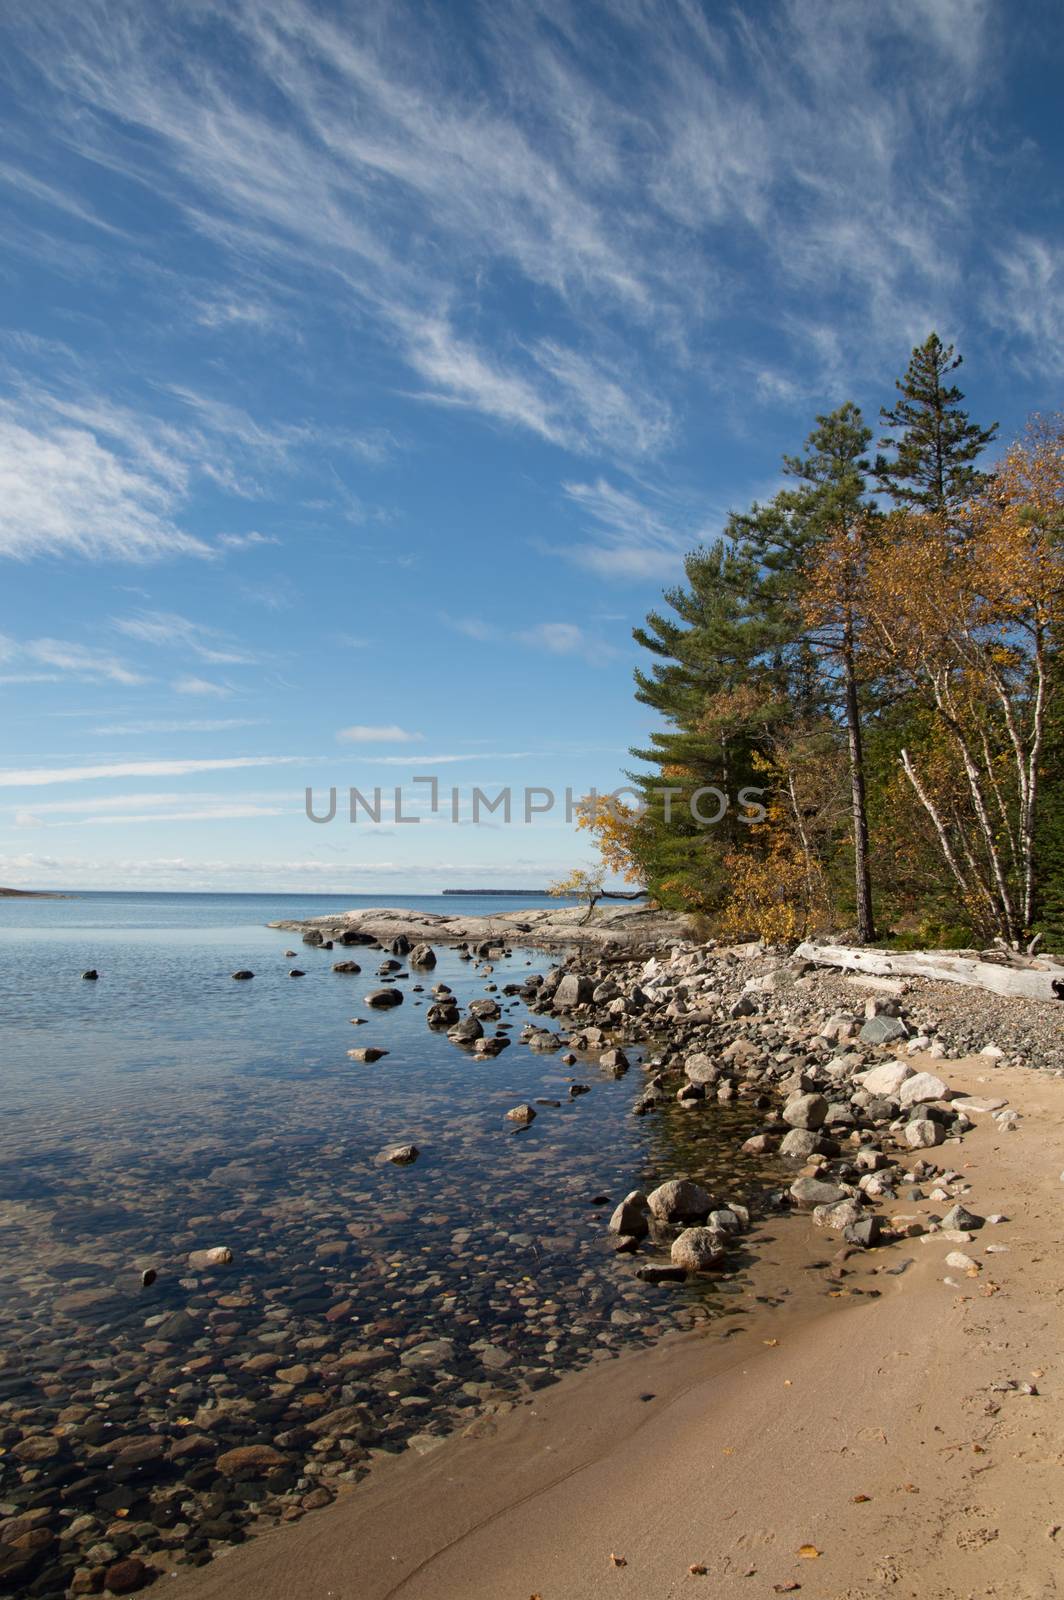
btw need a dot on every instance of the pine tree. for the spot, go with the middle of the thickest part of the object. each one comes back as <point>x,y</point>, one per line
<point>829,503</point>
<point>936,442</point>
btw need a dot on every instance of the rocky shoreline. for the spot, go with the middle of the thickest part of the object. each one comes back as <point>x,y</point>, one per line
<point>610,927</point>
<point>835,1077</point>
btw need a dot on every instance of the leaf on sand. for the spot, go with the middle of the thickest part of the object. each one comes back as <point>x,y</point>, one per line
<point>772,1343</point>
<point>861,1499</point>
<point>618,1561</point>
<point>697,1570</point>
<point>785,1588</point>
<point>808,1552</point>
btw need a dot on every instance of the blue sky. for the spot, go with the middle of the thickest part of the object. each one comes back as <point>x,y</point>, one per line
<point>366,369</point>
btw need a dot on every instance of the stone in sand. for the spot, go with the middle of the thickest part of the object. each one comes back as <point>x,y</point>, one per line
<point>922,1133</point>
<point>810,1192</point>
<point>959,1216</point>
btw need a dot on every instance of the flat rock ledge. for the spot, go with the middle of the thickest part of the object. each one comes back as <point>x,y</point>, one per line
<point>549,926</point>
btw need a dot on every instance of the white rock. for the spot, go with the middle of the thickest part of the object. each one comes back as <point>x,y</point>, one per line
<point>977,1107</point>
<point>922,1133</point>
<point>937,1051</point>
<point>962,1263</point>
<point>992,1052</point>
<point>887,1079</point>
<point>918,1089</point>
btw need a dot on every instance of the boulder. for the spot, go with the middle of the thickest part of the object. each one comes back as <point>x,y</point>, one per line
<point>701,1068</point>
<point>922,1133</point>
<point>465,1031</point>
<point>698,1249</point>
<point>90,975</point>
<point>368,1053</point>
<point>921,1088</point>
<point>346,966</point>
<point>809,1192</point>
<point>523,1114</point>
<point>422,955</point>
<point>883,1030</point>
<point>630,1217</point>
<point>680,1200</point>
<point>383,999</point>
<point>885,1080</point>
<point>573,990</point>
<point>805,1111</point>
<point>800,1144</point>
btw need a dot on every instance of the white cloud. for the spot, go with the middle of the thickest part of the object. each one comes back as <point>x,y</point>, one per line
<point>82,661</point>
<point>166,628</point>
<point>190,684</point>
<point>187,725</point>
<point>65,492</point>
<point>633,537</point>
<point>244,541</point>
<point>564,639</point>
<point>34,777</point>
<point>363,733</point>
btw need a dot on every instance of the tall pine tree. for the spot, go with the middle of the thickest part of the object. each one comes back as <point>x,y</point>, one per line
<point>935,442</point>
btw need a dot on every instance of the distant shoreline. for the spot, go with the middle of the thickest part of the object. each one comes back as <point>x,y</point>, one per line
<point>32,894</point>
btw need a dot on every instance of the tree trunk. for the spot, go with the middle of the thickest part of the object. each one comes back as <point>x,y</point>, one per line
<point>866,929</point>
<point>940,966</point>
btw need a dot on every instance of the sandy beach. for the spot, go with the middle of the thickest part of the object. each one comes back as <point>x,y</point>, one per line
<point>830,1443</point>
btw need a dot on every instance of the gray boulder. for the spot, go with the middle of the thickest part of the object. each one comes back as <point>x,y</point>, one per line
<point>805,1111</point>
<point>680,1200</point>
<point>573,990</point>
<point>631,1216</point>
<point>422,955</point>
<point>698,1249</point>
<point>809,1192</point>
<point>382,999</point>
<point>882,1030</point>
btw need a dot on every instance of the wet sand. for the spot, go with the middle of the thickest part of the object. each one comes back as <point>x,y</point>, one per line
<point>880,1434</point>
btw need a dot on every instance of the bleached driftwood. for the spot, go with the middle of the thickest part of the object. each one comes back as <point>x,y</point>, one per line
<point>943,966</point>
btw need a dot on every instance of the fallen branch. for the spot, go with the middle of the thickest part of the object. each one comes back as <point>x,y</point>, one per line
<point>941,966</point>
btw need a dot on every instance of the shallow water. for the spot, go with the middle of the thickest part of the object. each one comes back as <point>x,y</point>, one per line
<point>166,1108</point>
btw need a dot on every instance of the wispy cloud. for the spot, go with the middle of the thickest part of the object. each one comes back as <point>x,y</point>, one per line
<point>190,684</point>
<point>244,541</point>
<point>168,629</point>
<point>35,777</point>
<point>631,536</point>
<point>81,661</point>
<point>390,733</point>
<point>186,725</point>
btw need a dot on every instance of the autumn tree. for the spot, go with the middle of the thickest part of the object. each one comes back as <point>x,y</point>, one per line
<point>971,626</point>
<point>933,439</point>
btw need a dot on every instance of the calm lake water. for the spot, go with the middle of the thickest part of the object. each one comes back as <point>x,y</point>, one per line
<point>166,1108</point>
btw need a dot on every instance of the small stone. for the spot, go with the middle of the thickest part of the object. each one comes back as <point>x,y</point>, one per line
<point>523,1114</point>
<point>127,1576</point>
<point>218,1255</point>
<point>959,1216</point>
<point>368,1053</point>
<point>249,1461</point>
<point>962,1263</point>
<point>400,1155</point>
<point>241,974</point>
<point>91,975</point>
<point>296,972</point>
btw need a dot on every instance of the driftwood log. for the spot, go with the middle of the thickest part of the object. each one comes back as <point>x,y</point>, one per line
<point>942,966</point>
